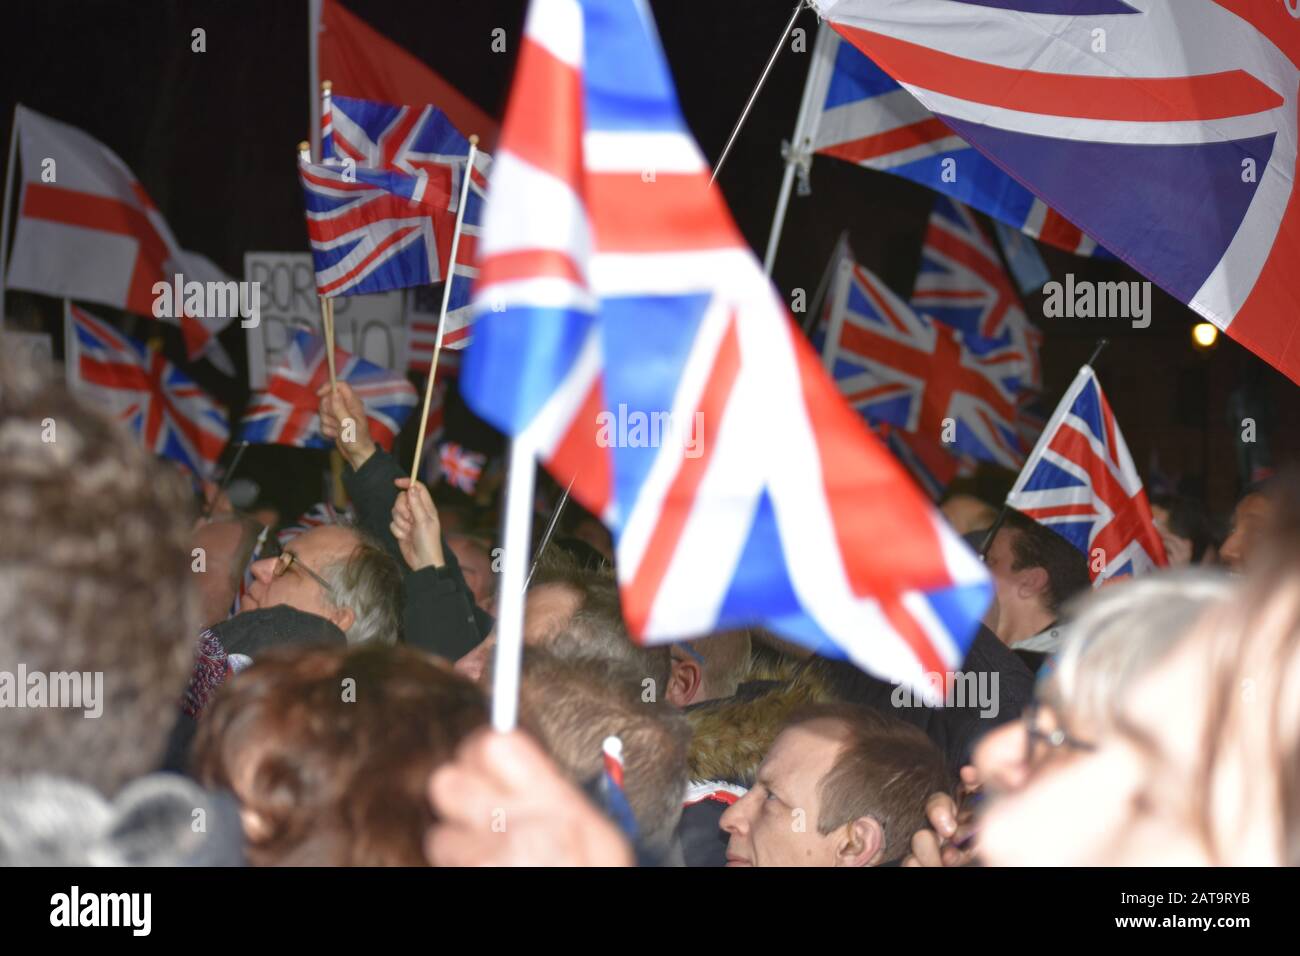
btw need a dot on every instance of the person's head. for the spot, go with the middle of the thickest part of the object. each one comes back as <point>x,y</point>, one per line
<point>1185,520</point>
<point>571,607</point>
<point>966,513</point>
<point>1117,637</point>
<point>329,751</point>
<point>842,785</point>
<point>337,573</point>
<point>475,558</point>
<point>1035,571</point>
<point>708,667</point>
<point>226,543</point>
<point>573,703</point>
<point>1252,519</point>
<point>96,591</point>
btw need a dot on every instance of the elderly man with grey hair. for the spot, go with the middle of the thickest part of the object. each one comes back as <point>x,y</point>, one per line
<point>337,573</point>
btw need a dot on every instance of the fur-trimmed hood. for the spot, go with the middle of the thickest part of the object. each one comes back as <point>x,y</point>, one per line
<point>730,737</point>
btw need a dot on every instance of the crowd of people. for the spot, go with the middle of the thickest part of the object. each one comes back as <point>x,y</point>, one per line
<point>341,716</point>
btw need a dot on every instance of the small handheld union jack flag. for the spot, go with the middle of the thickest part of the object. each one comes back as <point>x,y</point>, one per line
<point>374,230</point>
<point>285,412</point>
<point>1081,482</point>
<point>461,467</point>
<point>417,140</point>
<point>159,403</point>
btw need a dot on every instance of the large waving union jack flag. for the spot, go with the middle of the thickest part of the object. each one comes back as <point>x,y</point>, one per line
<point>413,140</point>
<point>604,288</point>
<point>898,367</point>
<point>1165,129</point>
<point>374,230</point>
<point>158,402</point>
<point>285,412</point>
<point>1080,481</point>
<point>961,283</point>
<point>858,113</point>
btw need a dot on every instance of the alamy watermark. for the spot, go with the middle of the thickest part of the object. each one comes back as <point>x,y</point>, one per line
<point>951,689</point>
<point>638,429</point>
<point>208,300</point>
<point>1098,300</point>
<point>77,690</point>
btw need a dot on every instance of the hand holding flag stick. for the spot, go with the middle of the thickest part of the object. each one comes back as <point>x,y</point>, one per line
<point>446,296</point>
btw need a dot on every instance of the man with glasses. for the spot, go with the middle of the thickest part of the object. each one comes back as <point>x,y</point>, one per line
<point>333,572</point>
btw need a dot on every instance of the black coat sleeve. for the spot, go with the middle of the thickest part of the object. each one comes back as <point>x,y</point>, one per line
<point>439,614</point>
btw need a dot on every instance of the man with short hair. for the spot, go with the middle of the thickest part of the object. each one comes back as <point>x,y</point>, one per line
<point>840,786</point>
<point>571,610</point>
<point>1035,571</point>
<point>708,668</point>
<point>575,702</point>
<point>337,573</point>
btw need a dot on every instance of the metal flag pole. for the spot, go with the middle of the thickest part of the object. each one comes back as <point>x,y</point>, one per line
<point>4,214</point>
<point>799,150</point>
<point>313,72</point>
<point>446,298</point>
<point>1002,514</point>
<point>776,50</point>
<point>240,448</point>
<point>550,529</point>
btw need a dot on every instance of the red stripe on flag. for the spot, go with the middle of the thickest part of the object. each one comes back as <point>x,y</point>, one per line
<point>1059,231</point>
<point>892,141</point>
<point>529,264</point>
<point>544,120</point>
<point>639,593</point>
<point>674,211</point>
<point>1155,99</point>
<point>578,456</point>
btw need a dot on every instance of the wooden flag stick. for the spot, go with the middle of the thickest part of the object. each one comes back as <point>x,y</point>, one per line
<point>327,323</point>
<point>442,312</point>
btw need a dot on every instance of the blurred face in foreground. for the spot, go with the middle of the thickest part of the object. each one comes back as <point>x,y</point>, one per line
<point>775,823</point>
<point>1133,799</point>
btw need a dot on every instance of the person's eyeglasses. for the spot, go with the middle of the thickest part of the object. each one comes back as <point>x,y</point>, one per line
<point>1055,739</point>
<point>288,559</point>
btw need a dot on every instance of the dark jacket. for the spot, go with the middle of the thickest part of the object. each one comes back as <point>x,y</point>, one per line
<point>439,614</point>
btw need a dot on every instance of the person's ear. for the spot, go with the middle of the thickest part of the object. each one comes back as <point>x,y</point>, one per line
<point>684,682</point>
<point>861,843</point>
<point>344,618</point>
<point>1033,582</point>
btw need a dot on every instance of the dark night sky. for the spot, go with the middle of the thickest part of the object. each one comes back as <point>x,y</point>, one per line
<point>210,135</point>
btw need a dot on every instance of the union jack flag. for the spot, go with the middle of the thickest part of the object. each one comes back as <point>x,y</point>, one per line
<point>856,112</point>
<point>461,468</point>
<point>1081,482</point>
<point>614,293</point>
<point>899,367</point>
<point>414,140</point>
<point>285,412</point>
<point>374,230</point>
<point>317,516</point>
<point>1176,149</point>
<point>158,402</point>
<point>961,283</point>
